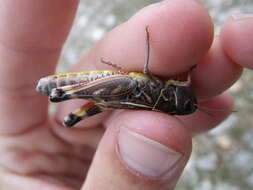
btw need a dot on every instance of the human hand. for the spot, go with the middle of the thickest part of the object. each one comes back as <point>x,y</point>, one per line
<point>134,149</point>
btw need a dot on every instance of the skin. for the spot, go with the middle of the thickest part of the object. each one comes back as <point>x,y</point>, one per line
<point>37,152</point>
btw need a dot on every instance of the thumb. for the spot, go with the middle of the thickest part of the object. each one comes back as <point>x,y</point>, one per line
<point>140,150</point>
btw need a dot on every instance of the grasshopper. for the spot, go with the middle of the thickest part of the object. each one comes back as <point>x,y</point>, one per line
<point>117,89</point>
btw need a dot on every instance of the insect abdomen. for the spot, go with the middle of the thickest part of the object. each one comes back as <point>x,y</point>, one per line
<point>46,84</point>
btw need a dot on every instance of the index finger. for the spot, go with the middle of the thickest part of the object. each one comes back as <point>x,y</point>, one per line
<point>180,34</point>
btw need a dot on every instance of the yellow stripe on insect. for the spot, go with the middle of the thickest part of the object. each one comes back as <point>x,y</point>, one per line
<point>136,74</point>
<point>176,82</point>
<point>102,72</point>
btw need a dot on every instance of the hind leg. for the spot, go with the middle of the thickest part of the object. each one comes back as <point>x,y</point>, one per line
<point>79,114</point>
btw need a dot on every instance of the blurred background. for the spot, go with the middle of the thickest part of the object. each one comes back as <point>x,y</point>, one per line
<point>221,159</point>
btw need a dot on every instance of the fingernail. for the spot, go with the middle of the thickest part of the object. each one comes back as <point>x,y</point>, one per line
<point>145,155</point>
<point>242,16</point>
